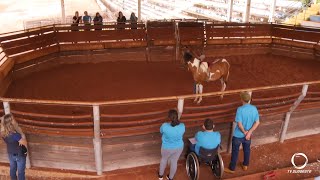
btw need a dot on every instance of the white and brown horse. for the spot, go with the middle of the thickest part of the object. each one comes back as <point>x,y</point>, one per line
<point>207,71</point>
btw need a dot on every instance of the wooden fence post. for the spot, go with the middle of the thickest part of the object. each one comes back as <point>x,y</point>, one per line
<point>180,107</point>
<point>285,124</point>
<point>233,126</point>
<point>6,107</point>
<point>97,140</point>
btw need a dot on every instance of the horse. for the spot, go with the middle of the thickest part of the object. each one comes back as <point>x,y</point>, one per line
<point>207,71</point>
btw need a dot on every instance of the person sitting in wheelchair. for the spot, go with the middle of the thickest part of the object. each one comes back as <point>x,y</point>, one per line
<point>207,139</point>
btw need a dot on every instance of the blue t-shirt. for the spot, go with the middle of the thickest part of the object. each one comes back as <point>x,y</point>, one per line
<point>12,141</point>
<point>247,115</point>
<point>207,140</point>
<point>86,18</point>
<point>16,136</point>
<point>172,137</point>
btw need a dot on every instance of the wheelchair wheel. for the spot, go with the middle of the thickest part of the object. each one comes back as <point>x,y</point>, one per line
<point>217,166</point>
<point>192,166</point>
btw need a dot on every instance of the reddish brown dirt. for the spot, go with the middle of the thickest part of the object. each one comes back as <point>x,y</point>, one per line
<point>130,80</point>
<point>265,158</point>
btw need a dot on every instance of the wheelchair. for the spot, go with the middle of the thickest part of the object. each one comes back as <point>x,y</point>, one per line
<point>210,157</point>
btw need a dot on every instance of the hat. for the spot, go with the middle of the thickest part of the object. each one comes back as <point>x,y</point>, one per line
<point>245,96</point>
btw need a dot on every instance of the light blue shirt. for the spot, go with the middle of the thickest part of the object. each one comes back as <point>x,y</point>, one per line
<point>207,140</point>
<point>86,18</point>
<point>172,137</point>
<point>247,115</point>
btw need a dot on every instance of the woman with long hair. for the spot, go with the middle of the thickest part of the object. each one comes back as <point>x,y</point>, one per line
<point>75,21</point>
<point>133,20</point>
<point>121,20</point>
<point>172,144</point>
<point>16,146</point>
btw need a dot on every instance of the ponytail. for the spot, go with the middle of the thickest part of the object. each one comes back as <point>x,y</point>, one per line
<point>173,116</point>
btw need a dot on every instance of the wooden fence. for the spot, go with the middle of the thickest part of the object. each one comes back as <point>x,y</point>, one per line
<point>215,39</point>
<point>119,134</point>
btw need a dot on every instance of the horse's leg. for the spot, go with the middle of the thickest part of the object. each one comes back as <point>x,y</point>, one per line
<point>223,87</point>
<point>200,92</point>
<point>197,91</point>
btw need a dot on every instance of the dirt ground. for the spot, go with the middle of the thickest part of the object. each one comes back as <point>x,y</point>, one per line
<point>131,80</point>
<point>269,157</point>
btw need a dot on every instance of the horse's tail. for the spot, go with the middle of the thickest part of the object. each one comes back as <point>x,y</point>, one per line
<point>226,77</point>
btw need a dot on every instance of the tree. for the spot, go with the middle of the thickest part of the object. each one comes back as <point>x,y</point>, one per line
<point>306,3</point>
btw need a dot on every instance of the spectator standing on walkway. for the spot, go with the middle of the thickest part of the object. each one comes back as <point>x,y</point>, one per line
<point>133,20</point>
<point>16,146</point>
<point>97,20</point>
<point>75,21</point>
<point>247,119</point>
<point>172,144</point>
<point>87,20</point>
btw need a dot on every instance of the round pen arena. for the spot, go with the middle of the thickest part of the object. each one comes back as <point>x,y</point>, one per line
<point>79,93</point>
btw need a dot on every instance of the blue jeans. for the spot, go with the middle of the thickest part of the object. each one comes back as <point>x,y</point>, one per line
<point>235,151</point>
<point>17,163</point>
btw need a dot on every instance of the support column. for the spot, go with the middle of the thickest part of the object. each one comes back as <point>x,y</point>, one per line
<point>97,140</point>
<point>6,107</point>
<point>272,10</point>
<point>139,10</point>
<point>233,126</point>
<point>285,124</point>
<point>63,12</point>
<point>246,13</point>
<point>180,107</point>
<point>229,11</point>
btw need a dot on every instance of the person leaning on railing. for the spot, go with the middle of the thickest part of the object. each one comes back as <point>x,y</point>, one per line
<point>16,146</point>
<point>75,21</point>
<point>133,20</point>
<point>121,20</point>
<point>97,20</point>
<point>172,144</point>
<point>247,119</point>
<point>86,20</point>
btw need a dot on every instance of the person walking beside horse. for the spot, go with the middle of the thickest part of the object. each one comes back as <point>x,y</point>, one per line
<point>247,119</point>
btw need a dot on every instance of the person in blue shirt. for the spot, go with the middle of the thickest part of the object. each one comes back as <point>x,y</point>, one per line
<point>247,119</point>
<point>172,144</point>
<point>16,147</point>
<point>86,20</point>
<point>207,139</point>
